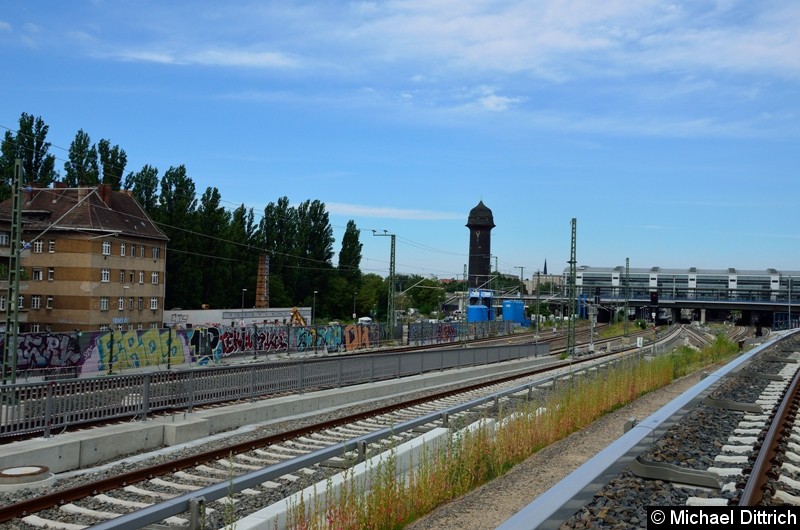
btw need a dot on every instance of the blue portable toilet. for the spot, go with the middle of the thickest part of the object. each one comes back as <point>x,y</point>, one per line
<point>514,311</point>
<point>477,313</point>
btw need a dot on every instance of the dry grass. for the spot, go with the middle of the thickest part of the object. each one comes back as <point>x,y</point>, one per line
<point>473,458</point>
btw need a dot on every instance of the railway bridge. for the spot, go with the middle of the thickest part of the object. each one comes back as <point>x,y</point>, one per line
<point>750,297</point>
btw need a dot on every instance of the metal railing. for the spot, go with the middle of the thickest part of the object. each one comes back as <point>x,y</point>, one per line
<point>50,406</point>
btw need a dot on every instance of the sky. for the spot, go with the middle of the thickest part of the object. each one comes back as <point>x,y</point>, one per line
<point>668,130</point>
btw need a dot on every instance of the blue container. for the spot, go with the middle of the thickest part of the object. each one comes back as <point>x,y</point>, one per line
<point>477,313</point>
<point>519,311</point>
<point>508,311</point>
<point>514,311</point>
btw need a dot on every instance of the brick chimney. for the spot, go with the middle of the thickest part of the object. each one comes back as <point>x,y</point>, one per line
<point>105,193</point>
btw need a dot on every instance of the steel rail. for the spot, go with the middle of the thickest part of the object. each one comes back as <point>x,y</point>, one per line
<point>62,497</point>
<point>182,504</point>
<point>55,499</point>
<point>753,492</point>
<point>556,505</point>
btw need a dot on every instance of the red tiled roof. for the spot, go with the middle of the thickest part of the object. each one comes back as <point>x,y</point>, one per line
<point>100,210</point>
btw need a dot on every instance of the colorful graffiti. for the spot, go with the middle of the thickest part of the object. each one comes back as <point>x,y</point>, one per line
<point>47,350</point>
<point>424,333</point>
<point>106,351</point>
<point>91,353</point>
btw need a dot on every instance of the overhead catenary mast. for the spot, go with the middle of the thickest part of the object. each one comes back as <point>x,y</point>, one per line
<point>571,294</point>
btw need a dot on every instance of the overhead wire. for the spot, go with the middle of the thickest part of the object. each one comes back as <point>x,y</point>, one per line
<point>197,197</point>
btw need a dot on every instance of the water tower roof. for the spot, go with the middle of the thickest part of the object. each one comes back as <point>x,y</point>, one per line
<point>480,216</point>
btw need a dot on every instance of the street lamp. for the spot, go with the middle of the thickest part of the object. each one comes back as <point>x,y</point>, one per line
<point>354,305</point>
<point>313,307</point>
<point>313,311</point>
<point>243,291</point>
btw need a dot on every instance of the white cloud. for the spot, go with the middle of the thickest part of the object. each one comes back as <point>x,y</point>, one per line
<point>239,58</point>
<point>149,57</point>
<point>357,210</point>
<point>216,57</point>
<point>497,103</point>
<point>5,26</point>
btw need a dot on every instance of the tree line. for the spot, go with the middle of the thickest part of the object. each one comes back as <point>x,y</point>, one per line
<point>213,252</point>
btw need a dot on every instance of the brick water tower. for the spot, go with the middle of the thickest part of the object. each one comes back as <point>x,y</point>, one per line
<point>480,223</point>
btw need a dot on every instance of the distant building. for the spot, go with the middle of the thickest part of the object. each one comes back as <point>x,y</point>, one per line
<point>480,223</point>
<point>91,259</point>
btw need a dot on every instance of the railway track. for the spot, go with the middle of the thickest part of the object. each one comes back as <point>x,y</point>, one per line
<point>112,496</point>
<point>132,411</point>
<point>123,492</point>
<point>726,443</point>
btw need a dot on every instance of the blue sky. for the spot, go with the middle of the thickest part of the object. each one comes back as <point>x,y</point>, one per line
<point>669,130</point>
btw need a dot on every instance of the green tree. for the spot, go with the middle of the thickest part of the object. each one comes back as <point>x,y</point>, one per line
<point>350,255</point>
<point>314,249</point>
<point>245,251</point>
<point>81,168</point>
<point>277,233</point>
<point>112,162</point>
<point>8,154</point>
<point>144,186</point>
<point>31,146</point>
<point>216,253</point>
<point>177,216</point>
<point>425,294</point>
<point>373,295</point>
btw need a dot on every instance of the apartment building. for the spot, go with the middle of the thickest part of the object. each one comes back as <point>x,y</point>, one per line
<point>91,259</point>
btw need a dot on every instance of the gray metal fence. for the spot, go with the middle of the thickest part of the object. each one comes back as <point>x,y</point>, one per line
<point>50,406</point>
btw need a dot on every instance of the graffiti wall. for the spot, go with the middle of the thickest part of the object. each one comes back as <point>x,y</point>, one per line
<point>97,352</point>
<point>91,353</point>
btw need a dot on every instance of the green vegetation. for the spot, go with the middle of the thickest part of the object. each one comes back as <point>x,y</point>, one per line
<point>214,250</point>
<point>472,459</point>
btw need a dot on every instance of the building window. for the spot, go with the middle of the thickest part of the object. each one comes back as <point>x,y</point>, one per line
<point>35,328</point>
<point>51,274</point>
<point>121,304</point>
<point>103,303</point>
<point>106,248</point>
<point>131,276</point>
<point>21,302</point>
<point>141,277</point>
<point>103,327</point>
<point>154,278</point>
<point>2,303</point>
<point>153,303</point>
<point>105,275</point>
<point>156,252</point>
<point>38,246</point>
<point>49,302</point>
<point>122,249</point>
<point>133,250</point>
<point>141,251</point>
<point>130,303</point>
<point>36,301</point>
<point>141,303</point>
<point>122,276</point>
<point>5,239</point>
<point>153,325</point>
<point>37,274</point>
<point>51,246</point>
<point>139,326</point>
